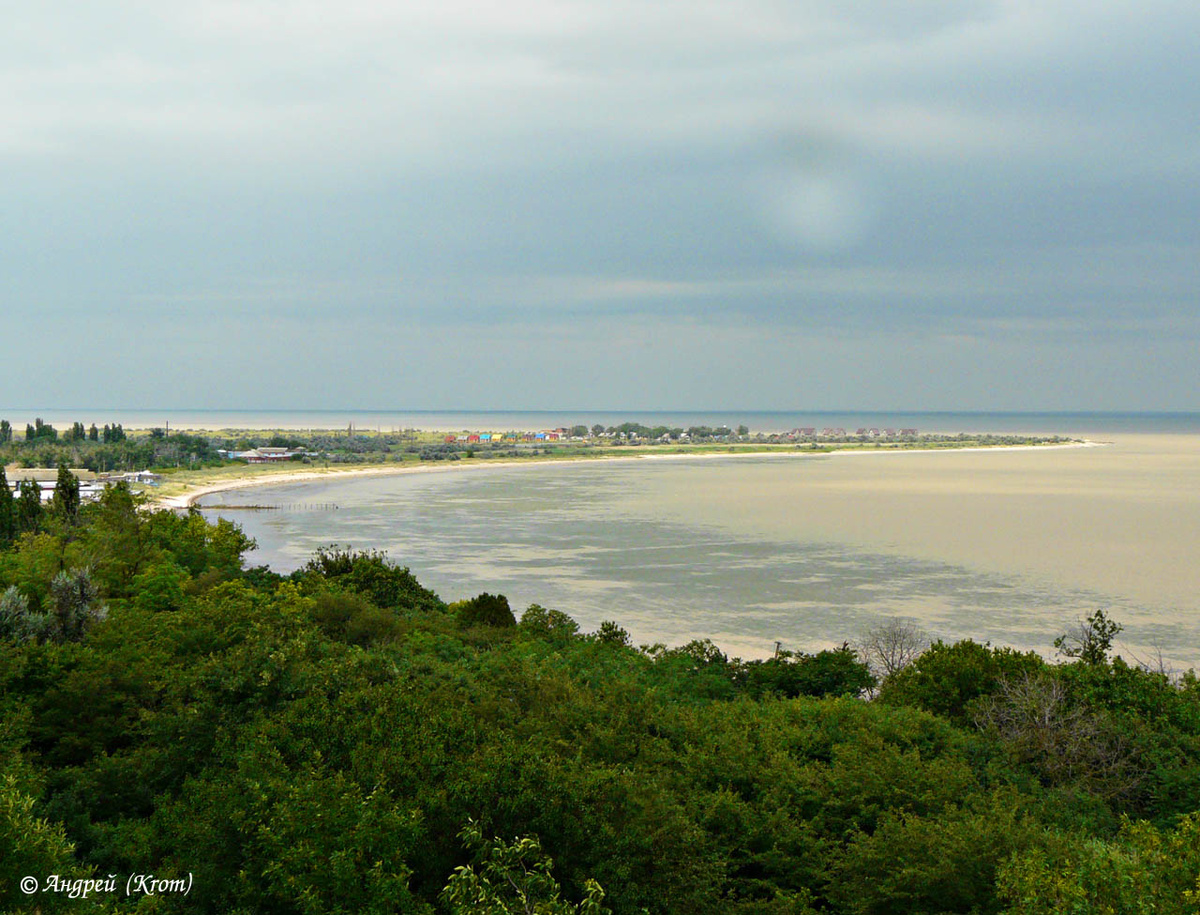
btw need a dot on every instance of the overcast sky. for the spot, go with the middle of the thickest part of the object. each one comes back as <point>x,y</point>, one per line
<point>553,204</point>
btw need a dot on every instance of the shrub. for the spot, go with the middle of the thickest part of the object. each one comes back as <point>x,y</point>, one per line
<point>485,610</point>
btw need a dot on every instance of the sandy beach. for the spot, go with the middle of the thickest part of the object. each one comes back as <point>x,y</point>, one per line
<point>274,478</point>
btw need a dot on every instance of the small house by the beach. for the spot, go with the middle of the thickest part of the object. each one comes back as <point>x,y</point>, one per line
<point>46,478</point>
<point>143,477</point>
<point>265,455</point>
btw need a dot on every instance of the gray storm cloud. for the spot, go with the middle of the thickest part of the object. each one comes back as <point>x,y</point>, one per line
<point>449,181</point>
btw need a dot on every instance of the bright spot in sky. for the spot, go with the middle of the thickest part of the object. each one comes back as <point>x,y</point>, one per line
<point>821,209</point>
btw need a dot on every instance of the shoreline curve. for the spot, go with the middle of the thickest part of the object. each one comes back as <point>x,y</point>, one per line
<point>189,498</point>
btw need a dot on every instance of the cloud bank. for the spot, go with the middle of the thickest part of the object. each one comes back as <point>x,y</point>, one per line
<point>943,205</point>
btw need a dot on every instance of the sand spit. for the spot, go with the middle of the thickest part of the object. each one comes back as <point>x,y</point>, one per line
<point>200,490</point>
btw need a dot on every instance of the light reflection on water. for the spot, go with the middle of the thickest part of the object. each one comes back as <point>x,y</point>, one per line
<point>589,540</point>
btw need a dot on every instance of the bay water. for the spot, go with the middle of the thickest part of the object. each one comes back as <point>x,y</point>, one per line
<point>1007,546</point>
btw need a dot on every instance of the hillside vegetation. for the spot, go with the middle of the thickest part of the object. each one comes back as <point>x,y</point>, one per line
<point>343,741</point>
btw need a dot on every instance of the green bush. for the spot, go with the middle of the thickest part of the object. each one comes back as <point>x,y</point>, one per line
<point>485,610</point>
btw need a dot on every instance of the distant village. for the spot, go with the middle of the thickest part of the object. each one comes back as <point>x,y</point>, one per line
<point>92,482</point>
<point>641,434</point>
<point>99,458</point>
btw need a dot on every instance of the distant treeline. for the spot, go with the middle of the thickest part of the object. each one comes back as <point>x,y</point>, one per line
<point>341,740</point>
<point>109,448</point>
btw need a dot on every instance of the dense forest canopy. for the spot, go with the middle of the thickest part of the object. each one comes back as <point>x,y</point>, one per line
<point>342,740</point>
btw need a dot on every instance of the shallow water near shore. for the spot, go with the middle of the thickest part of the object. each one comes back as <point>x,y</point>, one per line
<point>1006,546</point>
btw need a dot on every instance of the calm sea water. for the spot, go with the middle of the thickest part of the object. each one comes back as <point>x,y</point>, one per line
<point>1010,547</point>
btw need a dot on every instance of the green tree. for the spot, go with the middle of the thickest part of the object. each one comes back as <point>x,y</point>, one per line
<point>160,587</point>
<point>698,669</point>
<point>369,573</point>
<point>75,607</point>
<point>29,507</point>
<point>828,673</point>
<point>349,617</point>
<point>914,865</point>
<point>114,541</point>
<point>8,512</point>
<point>264,833</point>
<point>5,432</point>
<point>512,878</point>
<point>199,547</point>
<point>1090,640</point>
<point>18,623</point>
<point>65,503</point>
<point>93,433</point>
<point>545,623</point>
<point>610,633</point>
<point>1144,871</point>
<point>949,680</point>
<point>32,564</point>
<point>485,610</point>
<point>30,846</point>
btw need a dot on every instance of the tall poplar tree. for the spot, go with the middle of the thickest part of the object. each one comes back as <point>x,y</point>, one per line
<point>29,507</point>
<point>66,494</point>
<point>8,516</point>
